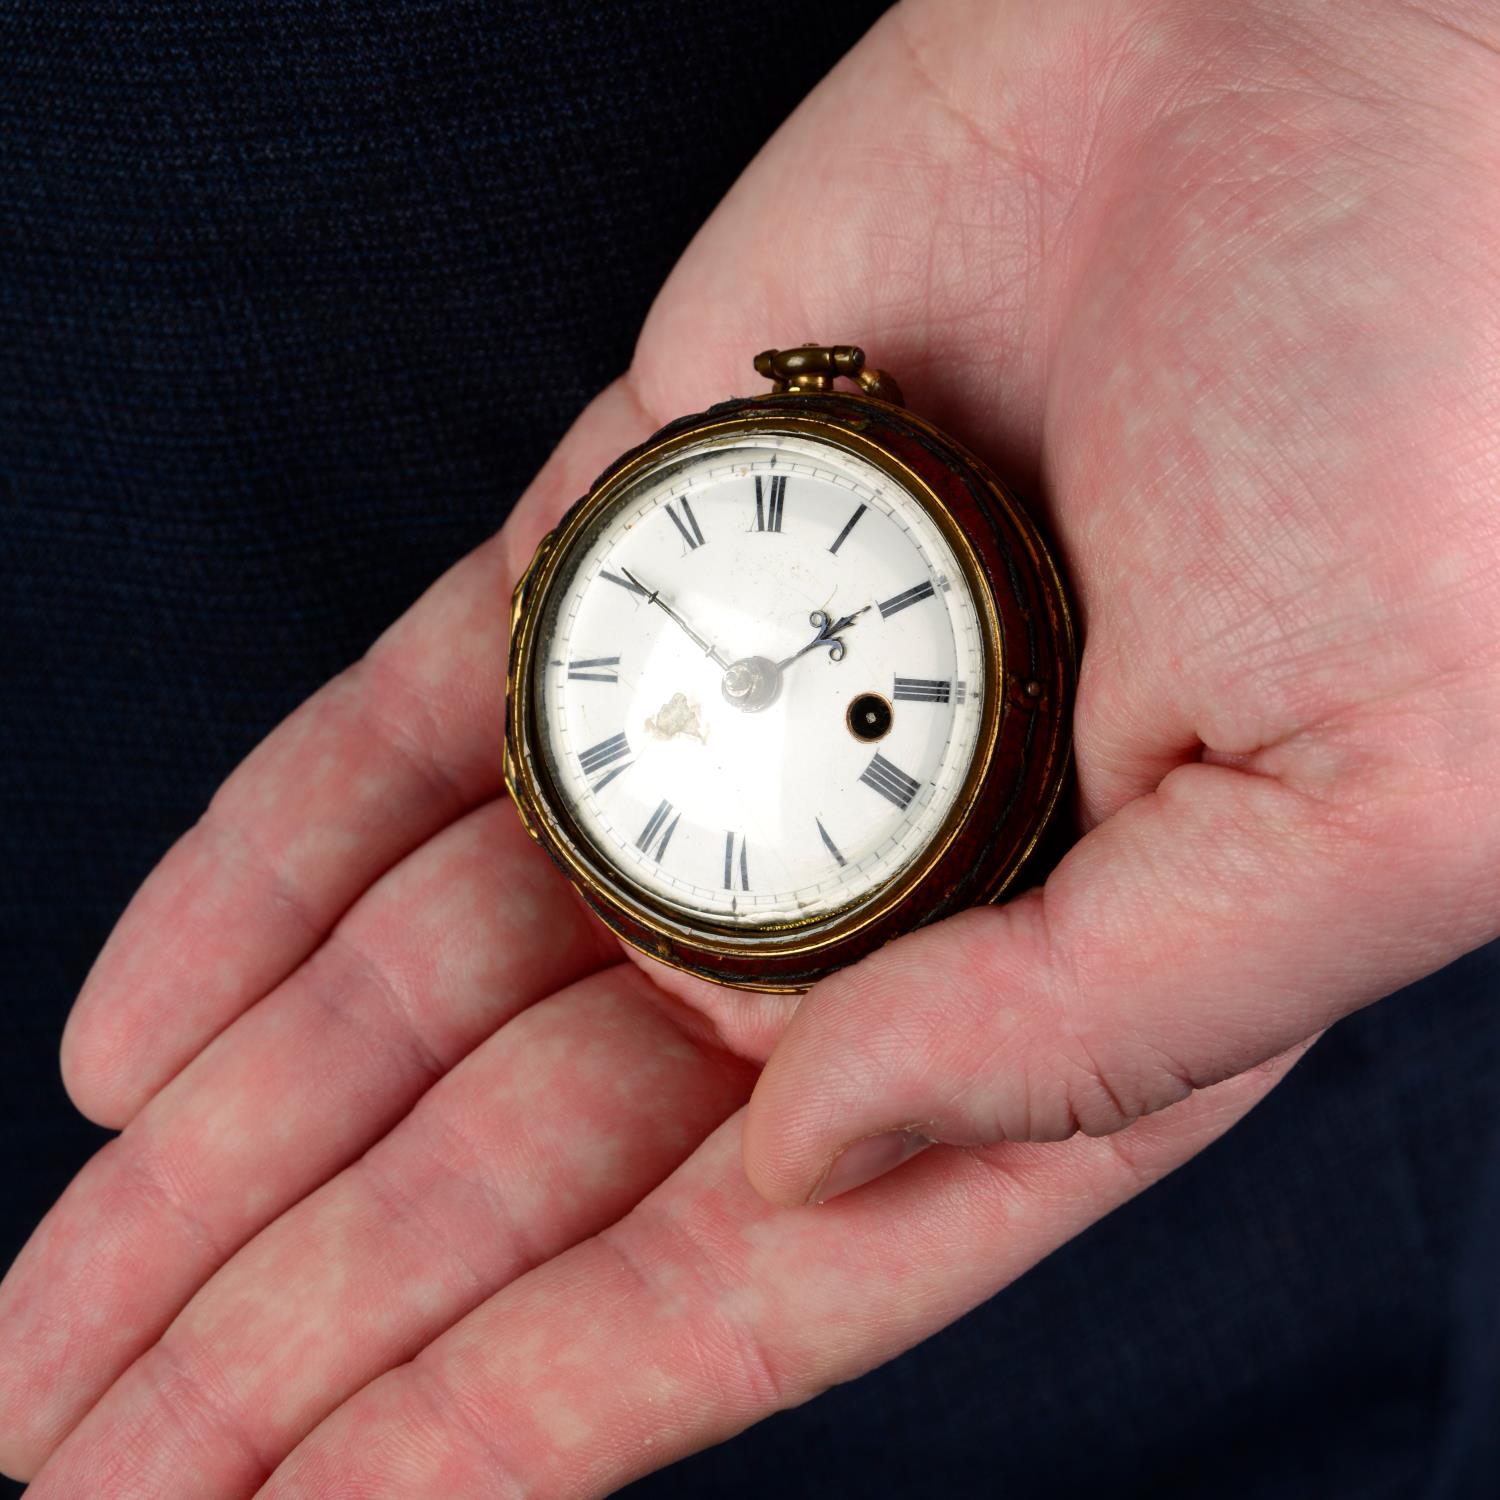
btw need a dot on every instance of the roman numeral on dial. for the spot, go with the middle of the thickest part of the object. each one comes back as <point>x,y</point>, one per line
<point>770,498</point>
<point>736,866</point>
<point>687,524</point>
<point>657,824</point>
<point>922,690</point>
<point>594,669</point>
<point>606,753</point>
<point>849,525</point>
<point>890,781</point>
<point>625,583</point>
<point>897,602</point>
<point>829,844</point>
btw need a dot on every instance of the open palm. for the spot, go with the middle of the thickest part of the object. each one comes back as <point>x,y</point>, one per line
<point>424,1190</point>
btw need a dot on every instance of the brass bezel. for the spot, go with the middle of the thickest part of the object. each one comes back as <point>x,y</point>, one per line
<point>537,798</point>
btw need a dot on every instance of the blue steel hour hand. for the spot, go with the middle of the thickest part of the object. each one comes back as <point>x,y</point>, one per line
<point>828,632</point>
<point>652,597</point>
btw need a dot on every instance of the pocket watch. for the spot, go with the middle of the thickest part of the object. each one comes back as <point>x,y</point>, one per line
<point>793,678</point>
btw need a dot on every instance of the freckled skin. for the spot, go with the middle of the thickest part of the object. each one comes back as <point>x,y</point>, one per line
<point>423,1191</point>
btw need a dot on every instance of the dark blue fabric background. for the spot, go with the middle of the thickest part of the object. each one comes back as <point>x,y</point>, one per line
<point>294,298</point>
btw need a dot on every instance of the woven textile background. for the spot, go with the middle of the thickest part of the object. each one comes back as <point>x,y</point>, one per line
<point>294,298</point>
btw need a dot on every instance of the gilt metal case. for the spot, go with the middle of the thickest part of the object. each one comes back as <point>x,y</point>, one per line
<point>1021,759</point>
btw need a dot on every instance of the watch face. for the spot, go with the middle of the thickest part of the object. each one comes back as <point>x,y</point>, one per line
<point>759,682</point>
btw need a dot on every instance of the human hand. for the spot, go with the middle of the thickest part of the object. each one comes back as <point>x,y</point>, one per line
<point>391,1102</point>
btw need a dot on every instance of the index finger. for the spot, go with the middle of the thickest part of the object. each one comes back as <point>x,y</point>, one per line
<point>374,764</point>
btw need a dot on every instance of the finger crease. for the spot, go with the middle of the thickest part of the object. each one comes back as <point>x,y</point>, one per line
<point>142,1162</point>
<point>502,1480</point>
<point>399,1010</point>
<point>430,1233</point>
<point>449,785</point>
<point>765,1386</point>
<point>235,838</point>
<point>204,1407</point>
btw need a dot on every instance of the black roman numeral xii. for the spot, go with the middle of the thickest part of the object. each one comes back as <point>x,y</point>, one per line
<point>770,498</point>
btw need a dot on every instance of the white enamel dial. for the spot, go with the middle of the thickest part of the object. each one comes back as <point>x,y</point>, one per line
<point>760,681</point>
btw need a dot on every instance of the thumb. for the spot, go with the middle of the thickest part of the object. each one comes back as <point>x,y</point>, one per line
<point>1201,930</point>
